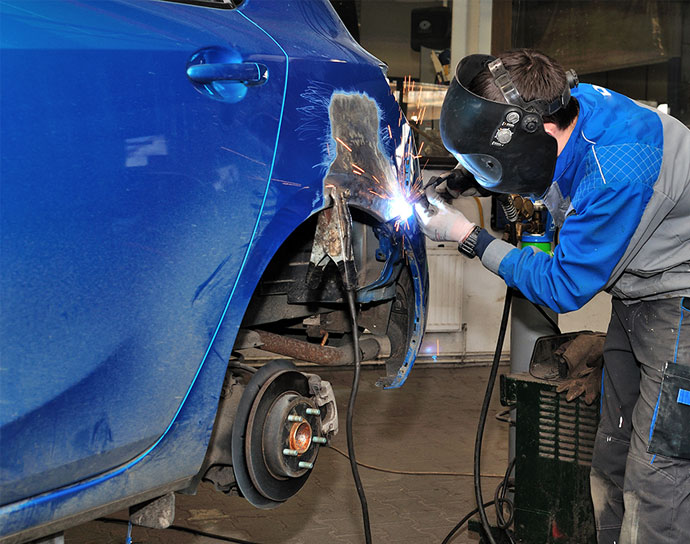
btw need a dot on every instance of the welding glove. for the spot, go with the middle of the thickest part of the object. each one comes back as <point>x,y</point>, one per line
<point>440,221</point>
<point>456,183</point>
<point>584,358</point>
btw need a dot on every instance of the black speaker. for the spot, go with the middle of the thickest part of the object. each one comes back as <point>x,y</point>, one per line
<point>430,28</point>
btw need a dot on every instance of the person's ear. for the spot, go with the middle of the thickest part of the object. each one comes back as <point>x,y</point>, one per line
<point>551,129</point>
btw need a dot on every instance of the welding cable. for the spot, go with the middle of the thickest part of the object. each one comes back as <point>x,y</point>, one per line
<point>499,495</point>
<point>187,530</point>
<point>546,316</point>
<point>500,499</point>
<point>415,472</point>
<point>483,415</point>
<point>350,415</point>
<point>462,522</point>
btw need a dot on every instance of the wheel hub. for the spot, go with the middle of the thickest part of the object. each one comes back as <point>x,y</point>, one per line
<point>276,435</point>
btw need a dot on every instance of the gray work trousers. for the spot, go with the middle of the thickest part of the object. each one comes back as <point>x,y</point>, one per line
<point>639,497</point>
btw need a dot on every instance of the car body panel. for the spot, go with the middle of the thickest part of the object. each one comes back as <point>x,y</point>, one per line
<point>125,274</point>
<point>79,238</point>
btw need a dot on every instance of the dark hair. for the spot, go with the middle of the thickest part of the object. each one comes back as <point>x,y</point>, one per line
<point>535,76</point>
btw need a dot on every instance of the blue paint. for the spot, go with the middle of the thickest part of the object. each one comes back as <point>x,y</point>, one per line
<point>684,397</point>
<point>125,263</point>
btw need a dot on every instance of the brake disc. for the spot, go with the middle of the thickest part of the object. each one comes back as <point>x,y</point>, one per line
<point>276,435</point>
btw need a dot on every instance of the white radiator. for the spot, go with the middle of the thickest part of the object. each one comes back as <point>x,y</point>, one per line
<point>445,288</point>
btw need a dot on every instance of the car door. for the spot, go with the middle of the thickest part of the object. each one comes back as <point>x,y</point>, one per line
<point>138,138</point>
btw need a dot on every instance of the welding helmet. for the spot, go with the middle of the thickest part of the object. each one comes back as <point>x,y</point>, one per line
<point>503,145</point>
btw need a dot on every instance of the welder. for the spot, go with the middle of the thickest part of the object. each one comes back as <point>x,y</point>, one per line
<point>615,176</point>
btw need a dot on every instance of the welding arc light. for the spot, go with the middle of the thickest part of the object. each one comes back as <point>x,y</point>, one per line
<point>400,208</point>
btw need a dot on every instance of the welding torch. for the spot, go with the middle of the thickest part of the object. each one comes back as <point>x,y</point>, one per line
<point>460,182</point>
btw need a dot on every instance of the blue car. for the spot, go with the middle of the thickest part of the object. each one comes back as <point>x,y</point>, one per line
<point>183,182</point>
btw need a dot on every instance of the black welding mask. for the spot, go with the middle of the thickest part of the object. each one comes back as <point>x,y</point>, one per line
<point>503,144</point>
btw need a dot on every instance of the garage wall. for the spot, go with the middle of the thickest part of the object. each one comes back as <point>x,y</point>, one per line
<point>384,27</point>
<point>385,32</point>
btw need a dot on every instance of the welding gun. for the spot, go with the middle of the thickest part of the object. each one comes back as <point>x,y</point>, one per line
<point>451,185</point>
<point>460,182</point>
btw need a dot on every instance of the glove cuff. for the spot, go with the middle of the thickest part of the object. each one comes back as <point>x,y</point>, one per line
<point>460,230</point>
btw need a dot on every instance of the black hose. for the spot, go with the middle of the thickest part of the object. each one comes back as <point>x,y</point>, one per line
<point>548,318</point>
<point>500,499</point>
<point>463,521</point>
<point>350,415</point>
<point>483,415</point>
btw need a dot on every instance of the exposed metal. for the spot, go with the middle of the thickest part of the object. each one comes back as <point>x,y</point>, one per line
<point>370,347</point>
<point>324,397</point>
<point>247,339</point>
<point>333,241</point>
<point>273,433</point>
<point>359,166</point>
<point>269,429</point>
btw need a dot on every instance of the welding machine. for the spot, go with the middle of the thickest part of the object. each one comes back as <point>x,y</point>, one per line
<point>554,440</point>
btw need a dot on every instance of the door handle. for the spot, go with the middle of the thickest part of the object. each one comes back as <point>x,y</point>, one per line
<point>249,73</point>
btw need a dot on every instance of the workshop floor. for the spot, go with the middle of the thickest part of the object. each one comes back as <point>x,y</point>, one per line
<point>428,426</point>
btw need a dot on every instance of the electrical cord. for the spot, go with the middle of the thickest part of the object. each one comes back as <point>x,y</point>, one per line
<point>546,316</point>
<point>350,415</point>
<point>483,415</point>
<point>498,502</point>
<point>414,472</point>
<point>462,522</point>
<point>187,530</point>
<point>500,499</point>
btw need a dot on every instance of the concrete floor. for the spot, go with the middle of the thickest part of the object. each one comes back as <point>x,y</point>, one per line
<point>429,425</point>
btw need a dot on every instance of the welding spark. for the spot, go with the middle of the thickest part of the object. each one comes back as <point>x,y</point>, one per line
<point>344,144</point>
<point>357,169</point>
<point>401,208</point>
<point>378,194</point>
<point>286,182</point>
<point>421,116</point>
<point>390,132</point>
<point>241,155</point>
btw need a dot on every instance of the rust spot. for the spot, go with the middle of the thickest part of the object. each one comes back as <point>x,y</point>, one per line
<point>300,437</point>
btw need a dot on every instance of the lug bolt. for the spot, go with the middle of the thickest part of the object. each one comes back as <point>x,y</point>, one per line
<point>295,419</point>
<point>319,440</point>
<point>313,411</point>
<point>304,464</point>
<point>290,453</point>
